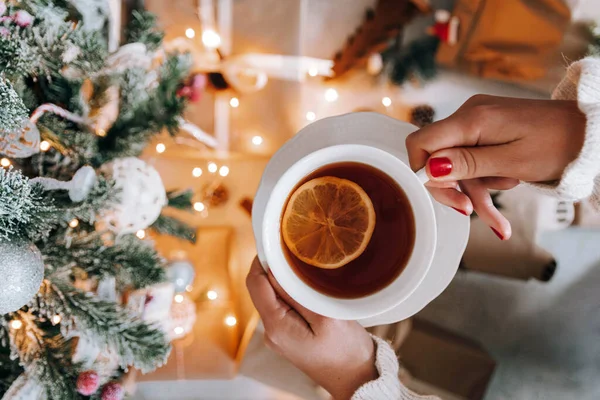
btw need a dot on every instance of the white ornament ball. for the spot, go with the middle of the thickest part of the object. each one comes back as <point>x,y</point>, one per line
<point>181,318</point>
<point>21,143</point>
<point>142,195</point>
<point>181,274</point>
<point>21,272</point>
<point>374,64</point>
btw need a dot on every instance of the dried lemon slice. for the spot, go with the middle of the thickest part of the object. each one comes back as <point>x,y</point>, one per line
<point>328,222</point>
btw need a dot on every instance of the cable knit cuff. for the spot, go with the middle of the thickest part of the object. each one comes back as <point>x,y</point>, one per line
<point>581,178</point>
<point>388,385</point>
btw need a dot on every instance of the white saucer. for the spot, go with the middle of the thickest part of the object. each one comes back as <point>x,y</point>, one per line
<point>388,134</point>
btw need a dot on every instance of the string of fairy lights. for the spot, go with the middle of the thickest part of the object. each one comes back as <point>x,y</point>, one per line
<point>211,41</point>
<point>331,96</point>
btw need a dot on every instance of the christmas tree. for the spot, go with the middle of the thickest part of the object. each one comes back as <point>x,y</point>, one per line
<point>75,200</point>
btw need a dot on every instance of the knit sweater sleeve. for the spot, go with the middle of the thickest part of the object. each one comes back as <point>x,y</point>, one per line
<point>388,385</point>
<point>581,178</point>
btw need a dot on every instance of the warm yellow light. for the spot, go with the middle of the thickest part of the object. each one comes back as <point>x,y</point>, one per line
<point>197,172</point>
<point>331,95</point>
<point>160,148</point>
<point>224,170</point>
<point>101,132</point>
<point>386,101</point>
<point>5,162</point>
<point>230,320</point>
<point>212,295</point>
<point>311,116</point>
<point>141,234</point>
<point>190,33</point>
<point>178,330</point>
<point>313,72</point>
<point>44,146</point>
<point>16,324</point>
<point>234,102</point>
<point>56,319</point>
<point>211,39</point>
<point>257,140</point>
<point>212,167</point>
<point>74,223</point>
<point>199,206</point>
<point>178,298</point>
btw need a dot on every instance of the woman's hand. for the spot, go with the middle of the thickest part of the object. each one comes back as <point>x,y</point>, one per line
<point>338,355</point>
<point>493,143</point>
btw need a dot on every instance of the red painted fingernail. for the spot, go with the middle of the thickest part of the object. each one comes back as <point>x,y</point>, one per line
<point>498,234</point>
<point>461,211</point>
<point>441,166</point>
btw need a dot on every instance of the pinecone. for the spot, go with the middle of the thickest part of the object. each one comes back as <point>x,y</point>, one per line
<point>219,196</point>
<point>422,115</point>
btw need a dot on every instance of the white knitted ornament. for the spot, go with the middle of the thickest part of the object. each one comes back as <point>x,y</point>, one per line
<point>142,195</point>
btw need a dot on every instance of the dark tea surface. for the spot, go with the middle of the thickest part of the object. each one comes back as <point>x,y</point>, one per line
<point>390,247</point>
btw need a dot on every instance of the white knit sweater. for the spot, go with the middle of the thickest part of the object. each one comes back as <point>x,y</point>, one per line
<point>580,180</point>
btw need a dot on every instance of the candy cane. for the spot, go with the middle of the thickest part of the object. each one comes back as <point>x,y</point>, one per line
<point>54,109</point>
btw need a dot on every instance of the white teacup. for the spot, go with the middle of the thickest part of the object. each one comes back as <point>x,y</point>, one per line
<point>418,264</point>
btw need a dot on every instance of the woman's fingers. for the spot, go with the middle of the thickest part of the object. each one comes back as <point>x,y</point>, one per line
<point>270,307</point>
<point>452,198</point>
<point>442,185</point>
<point>439,135</point>
<point>493,183</point>
<point>460,163</point>
<point>499,183</point>
<point>485,209</point>
<point>310,317</point>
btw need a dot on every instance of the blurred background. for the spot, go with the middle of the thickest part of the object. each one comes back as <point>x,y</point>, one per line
<point>519,320</point>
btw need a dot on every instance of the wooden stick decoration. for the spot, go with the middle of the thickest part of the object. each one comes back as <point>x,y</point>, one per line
<point>380,25</point>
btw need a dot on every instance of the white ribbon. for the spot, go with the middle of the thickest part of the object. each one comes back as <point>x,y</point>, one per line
<point>290,68</point>
<point>198,133</point>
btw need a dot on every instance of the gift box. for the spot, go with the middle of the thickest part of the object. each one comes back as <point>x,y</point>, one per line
<point>435,361</point>
<point>520,41</point>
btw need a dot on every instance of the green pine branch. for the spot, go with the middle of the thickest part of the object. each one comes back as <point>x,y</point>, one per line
<point>415,60</point>
<point>45,356</point>
<point>12,109</point>
<point>25,211</point>
<point>139,122</point>
<point>166,225</point>
<point>143,28</point>
<point>102,197</point>
<point>133,262</point>
<point>51,44</point>
<point>135,342</point>
<point>180,199</point>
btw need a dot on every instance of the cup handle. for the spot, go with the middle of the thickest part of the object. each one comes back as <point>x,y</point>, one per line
<point>422,175</point>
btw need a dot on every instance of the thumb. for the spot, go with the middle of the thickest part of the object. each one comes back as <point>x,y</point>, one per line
<point>460,163</point>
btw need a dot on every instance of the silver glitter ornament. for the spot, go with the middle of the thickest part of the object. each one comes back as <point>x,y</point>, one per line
<point>21,274</point>
<point>180,274</point>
